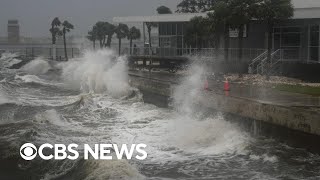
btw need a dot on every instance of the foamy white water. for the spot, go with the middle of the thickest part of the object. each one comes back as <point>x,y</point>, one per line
<point>90,102</point>
<point>37,66</point>
<point>98,72</point>
<point>8,59</point>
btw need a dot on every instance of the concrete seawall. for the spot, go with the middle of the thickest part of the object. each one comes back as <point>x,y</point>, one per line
<point>305,120</point>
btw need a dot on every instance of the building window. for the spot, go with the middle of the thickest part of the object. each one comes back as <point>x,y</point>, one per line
<point>169,29</point>
<point>180,31</point>
<point>314,43</point>
<point>289,40</point>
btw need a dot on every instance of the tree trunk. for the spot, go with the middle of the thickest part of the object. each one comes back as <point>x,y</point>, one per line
<point>240,36</point>
<point>53,35</point>
<point>130,46</point>
<point>149,33</point>
<point>104,41</point>
<point>226,42</point>
<point>119,46</point>
<point>65,46</point>
<point>94,44</point>
<point>101,45</point>
<point>109,41</point>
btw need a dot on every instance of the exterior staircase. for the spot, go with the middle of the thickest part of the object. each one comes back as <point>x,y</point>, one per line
<point>260,64</point>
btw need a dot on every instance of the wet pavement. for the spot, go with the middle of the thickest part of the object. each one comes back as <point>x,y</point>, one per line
<point>255,93</point>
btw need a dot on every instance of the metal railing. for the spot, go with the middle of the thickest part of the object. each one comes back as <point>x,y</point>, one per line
<point>212,53</point>
<point>45,52</point>
<point>264,66</point>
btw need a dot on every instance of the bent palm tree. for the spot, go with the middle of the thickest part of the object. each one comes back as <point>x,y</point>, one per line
<point>150,25</point>
<point>54,30</point>
<point>66,28</point>
<point>122,31</point>
<point>92,36</point>
<point>109,31</point>
<point>133,34</point>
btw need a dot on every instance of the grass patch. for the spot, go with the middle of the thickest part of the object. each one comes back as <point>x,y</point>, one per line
<point>314,91</point>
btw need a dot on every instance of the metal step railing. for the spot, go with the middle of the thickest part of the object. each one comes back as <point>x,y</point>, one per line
<point>260,65</point>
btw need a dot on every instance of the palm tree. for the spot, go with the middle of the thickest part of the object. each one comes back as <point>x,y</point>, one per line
<point>272,11</point>
<point>122,31</point>
<point>109,32</point>
<point>150,25</point>
<point>133,34</point>
<point>66,27</point>
<point>92,36</point>
<point>54,30</point>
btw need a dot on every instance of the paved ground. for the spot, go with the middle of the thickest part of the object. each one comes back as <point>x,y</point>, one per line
<point>265,95</point>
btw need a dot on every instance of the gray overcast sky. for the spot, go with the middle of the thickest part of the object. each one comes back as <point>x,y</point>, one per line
<point>35,15</point>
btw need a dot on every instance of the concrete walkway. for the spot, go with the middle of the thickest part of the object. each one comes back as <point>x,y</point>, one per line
<point>254,93</point>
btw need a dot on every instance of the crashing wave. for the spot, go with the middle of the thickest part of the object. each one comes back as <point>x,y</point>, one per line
<point>98,72</point>
<point>36,67</point>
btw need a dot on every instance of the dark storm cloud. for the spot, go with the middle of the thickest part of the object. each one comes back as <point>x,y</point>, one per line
<point>35,15</point>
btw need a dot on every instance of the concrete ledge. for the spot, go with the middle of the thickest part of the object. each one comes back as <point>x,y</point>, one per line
<point>299,119</point>
<point>294,118</point>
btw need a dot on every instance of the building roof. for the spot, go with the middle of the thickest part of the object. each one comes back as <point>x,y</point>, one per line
<point>181,17</point>
<point>306,3</point>
<point>307,13</point>
<point>299,13</point>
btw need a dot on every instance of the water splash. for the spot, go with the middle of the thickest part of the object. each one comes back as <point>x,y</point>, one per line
<point>196,132</point>
<point>3,98</point>
<point>8,59</point>
<point>97,72</point>
<point>37,66</point>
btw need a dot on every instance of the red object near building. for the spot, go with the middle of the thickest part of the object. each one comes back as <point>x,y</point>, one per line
<point>226,85</point>
<point>206,85</point>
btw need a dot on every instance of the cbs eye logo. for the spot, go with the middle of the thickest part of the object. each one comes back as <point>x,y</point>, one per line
<point>28,151</point>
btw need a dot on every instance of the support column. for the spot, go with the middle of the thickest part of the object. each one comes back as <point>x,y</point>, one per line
<point>144,33</point>
<point>54,52</point>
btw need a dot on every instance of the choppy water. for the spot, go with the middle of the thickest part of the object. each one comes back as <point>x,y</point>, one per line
<point>88,101</point>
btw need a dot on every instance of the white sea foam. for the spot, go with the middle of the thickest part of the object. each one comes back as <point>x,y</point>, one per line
<point>3,98</point>
<point>52,117</point>
<point>211,135</point>
<point>31,79</point>
<point>8,59</point>
<point>170,135</point>
<point>113,169</point>
<point>99,72</point>
<point>37,66</point>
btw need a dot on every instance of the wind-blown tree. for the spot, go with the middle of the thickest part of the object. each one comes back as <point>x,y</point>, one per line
<point>272,11</point>
<point>193,6</point>
<point>105,31</point>
<point>109,32</point>
<point>242,12</point>
<point>164,10</point>
<point>100,30</point>
<point>197,31</point>
<point>92,36</point>
<point>133,34</point>
<point>55,30</point>
<point>122,31</point>
<point>66,27</point>
<point>150,25</point>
